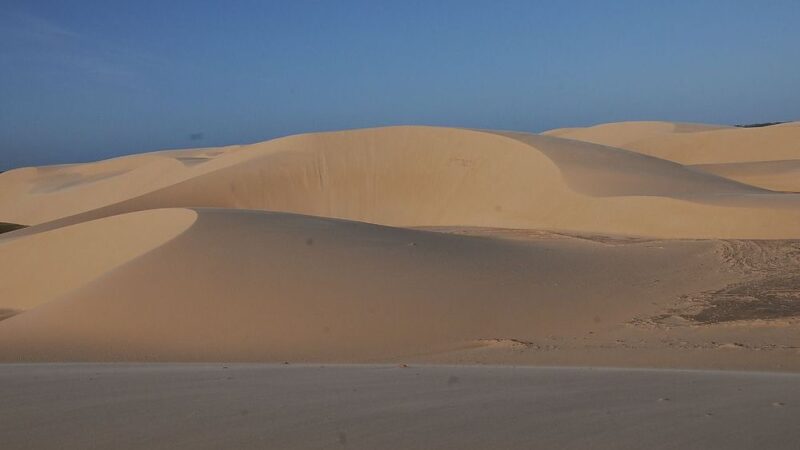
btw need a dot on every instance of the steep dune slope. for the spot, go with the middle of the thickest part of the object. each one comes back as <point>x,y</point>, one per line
<point>239,285</point>
<point>424,176</point>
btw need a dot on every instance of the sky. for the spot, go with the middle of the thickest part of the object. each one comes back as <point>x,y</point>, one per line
<point>86,80</point>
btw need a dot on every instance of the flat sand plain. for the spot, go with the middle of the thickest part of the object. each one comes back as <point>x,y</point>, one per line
<point>197,406</point>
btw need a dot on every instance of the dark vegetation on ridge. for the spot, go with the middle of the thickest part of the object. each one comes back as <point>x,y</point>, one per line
<point>758,125</point>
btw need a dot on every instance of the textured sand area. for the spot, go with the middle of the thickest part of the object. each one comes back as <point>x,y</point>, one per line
<point>637,244</point>
<point>124,406</point>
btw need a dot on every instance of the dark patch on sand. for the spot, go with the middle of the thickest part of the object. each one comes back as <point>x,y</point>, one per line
<point>769,290</point>
<point>6,313</point>
<point>768,298</point>
<point>6,227</point>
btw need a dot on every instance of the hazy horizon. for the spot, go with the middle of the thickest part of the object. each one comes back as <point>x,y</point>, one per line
<point>98,79</point>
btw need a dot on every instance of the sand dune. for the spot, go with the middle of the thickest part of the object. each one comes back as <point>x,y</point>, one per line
<point>692,144</point>
<point>423,176</point>
<point>270,286</point>
<point>216,284</point>
<point>780,175</point>
<point>622,134</point>
<point>406,243</point>
<point>41,267</point>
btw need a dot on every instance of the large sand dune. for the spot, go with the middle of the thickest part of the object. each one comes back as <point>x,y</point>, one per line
<point>272,286</point>
<point>420,176</point>
<point>406,243</point>
<point>216,284</point>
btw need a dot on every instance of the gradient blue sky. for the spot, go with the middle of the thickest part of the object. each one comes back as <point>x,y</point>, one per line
<point>83,80</point>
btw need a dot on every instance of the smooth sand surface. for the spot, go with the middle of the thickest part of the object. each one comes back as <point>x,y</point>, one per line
<point>781,175</point>
<point>70,406</point>
<point>764,157</point>
<point>458,257</point>
<point>45,265</point>
<point>425,176</point>
<point>694,144</point>
<point>258,286</point>
<point>421,176</point>
<point>459,246</point>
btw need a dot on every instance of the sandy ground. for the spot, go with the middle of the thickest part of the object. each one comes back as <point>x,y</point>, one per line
<point>461,258</point>
<point>172,406</point>
<point>415,244</point>
<point>277,289</point>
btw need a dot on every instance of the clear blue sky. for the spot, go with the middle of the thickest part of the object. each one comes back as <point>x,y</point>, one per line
<point>82,80</point>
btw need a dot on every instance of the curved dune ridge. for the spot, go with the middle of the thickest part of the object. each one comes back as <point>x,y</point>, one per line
<point>312,248</point>
<point>765,157</point>
<point>41,267</point>
<point>248,285</point>
<point>694,144</point>
<point>425,176</point>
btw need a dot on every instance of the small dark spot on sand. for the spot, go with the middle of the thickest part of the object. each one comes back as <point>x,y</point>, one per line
<point>310,241</point>
<point>453,380</point>
<point>778,404</point>
<point>342,438</point>
<point>244,412</point>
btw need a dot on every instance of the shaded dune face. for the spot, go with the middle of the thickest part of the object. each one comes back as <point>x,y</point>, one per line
<point>247,285</point>
<point>425,176</point>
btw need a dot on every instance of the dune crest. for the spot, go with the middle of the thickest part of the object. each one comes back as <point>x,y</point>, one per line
<point>44,266</point>
<point>426,176</point>
<point>693,144</point>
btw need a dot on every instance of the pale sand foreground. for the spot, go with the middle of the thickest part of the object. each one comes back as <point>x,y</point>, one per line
<point>191,406</point>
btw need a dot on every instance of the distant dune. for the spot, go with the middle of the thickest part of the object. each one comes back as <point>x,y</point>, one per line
<point>623,244</point>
